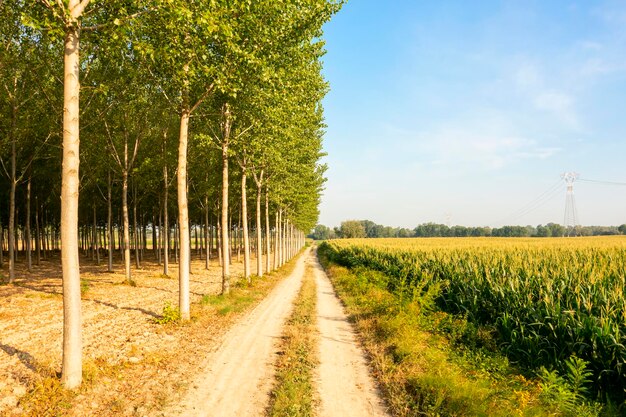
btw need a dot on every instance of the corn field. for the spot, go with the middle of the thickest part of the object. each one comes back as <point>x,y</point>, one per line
<point>546,299</point>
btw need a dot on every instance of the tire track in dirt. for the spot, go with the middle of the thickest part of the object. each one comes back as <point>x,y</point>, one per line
<point>344,383</point>
<point>237,378</point>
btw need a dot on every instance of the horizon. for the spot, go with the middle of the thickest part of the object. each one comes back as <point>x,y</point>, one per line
<point>463,225</point>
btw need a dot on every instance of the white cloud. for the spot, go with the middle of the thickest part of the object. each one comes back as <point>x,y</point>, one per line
<point>531,83</point>
<point>527,76</point>
<point>557,103</point>
<point>482,146</point>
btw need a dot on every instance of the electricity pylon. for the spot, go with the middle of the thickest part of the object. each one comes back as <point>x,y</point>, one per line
<point>570,219</point>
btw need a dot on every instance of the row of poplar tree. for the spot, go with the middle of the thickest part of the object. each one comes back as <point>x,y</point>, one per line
<point>200,115</point>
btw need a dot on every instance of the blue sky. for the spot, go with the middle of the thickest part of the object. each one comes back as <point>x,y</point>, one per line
<point>466,112</point>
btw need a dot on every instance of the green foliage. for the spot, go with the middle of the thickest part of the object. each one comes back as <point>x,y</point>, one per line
<point>170,314</point>
<point>569,394</point>
<point>352,229</point>
<point>234,302</point>
<point>84,286</point>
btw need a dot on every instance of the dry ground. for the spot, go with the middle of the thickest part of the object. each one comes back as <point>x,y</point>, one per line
<point>121,341</point>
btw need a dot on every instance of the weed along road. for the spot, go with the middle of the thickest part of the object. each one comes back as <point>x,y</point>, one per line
<point>345,385</point>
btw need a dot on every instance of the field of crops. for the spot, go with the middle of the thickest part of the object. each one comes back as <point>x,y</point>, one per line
<point>546,299</point>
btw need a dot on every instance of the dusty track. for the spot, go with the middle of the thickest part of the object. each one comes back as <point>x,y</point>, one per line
<point>237,378</point>
<point>345,386</point>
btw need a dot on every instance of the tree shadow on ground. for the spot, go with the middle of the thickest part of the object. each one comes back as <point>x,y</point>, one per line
<point>26,358</point>
<point>105,303</point>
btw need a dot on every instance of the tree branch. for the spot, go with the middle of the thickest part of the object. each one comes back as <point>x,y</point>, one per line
<point>201,99</point>
<point>112,146</point>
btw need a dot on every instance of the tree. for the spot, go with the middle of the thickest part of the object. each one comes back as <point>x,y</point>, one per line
<point>322,232</point>
<point>352,229</point>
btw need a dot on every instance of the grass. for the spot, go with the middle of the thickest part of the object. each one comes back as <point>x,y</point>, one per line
<point>170,314</point>
<point>84,286</point>
<point>293,394</point>
<point>46,396</point>
<point>421,369</point>
<point>240,297</point>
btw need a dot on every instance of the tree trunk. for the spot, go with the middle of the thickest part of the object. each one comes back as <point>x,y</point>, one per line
<point>175,237</point>
<point>244,220</point>
<point>238,239</point>
<point>96,241</point>
<point>166,226</point>
<point>281,238</point>
<point>136,231</point>
<point>206,233</point>
<point>29,261</point>
<point>37,234</point>
<point>126,223</point>
<point>226,124</point>
<point>160,246</point>
<point>218,237</point>
<point>155,242</point>
<point>212,237</point>
<point>11,230</point>
<point>109,223</point>
<point>44,234</point>
<point>268,233</point>
<point>120,234</point>
<point>71,373</point>
<point>259,237</point>
<point>183,218</point>
<point>276,239</point>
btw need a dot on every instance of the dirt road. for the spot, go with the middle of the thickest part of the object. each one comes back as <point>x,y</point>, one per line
<point>345,386</point>
<point>236,380</point>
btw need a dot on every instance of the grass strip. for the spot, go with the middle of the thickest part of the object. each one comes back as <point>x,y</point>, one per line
<point>293,395</point>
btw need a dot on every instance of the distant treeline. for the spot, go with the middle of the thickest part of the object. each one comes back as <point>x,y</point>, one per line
<point>367,228</point>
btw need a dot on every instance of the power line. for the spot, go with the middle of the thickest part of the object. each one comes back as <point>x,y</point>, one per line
<point>546,196</point>
<point>602,182</point>
<point>571,214</point>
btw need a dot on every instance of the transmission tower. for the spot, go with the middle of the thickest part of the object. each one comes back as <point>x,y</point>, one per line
<point>448,217</point>
<point>570,219</point>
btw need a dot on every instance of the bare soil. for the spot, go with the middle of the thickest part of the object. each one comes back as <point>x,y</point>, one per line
<point>121,341</point>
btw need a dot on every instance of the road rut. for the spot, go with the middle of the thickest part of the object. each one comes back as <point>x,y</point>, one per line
<point>345,385</point>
